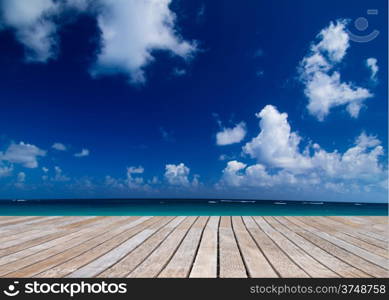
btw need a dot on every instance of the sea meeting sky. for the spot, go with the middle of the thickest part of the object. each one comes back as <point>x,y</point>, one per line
<point>172,98</point>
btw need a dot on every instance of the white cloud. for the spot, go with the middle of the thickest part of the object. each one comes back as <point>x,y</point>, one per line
<point>371,63</point>
<point>323,86</point>
<point>45,170</point>
<point>59,147</point>
<point>135,182</point>
<point>31,21</point>
<point>276,145</point>
<point>238,174</point>
<point>334,41</point>
<point>178,175</point>
<point>113,182</point>
<point>281,162</point>
<point>230,136</point>
<point>232,175</point>
<point>5,171</point>
<point>59,176</point>
<point>25,154</point>
<point>131,31</point>
<point>83,153</point>
<point>359,162</point>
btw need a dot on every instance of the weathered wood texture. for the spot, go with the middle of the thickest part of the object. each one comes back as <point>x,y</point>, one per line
<point>249,246</point>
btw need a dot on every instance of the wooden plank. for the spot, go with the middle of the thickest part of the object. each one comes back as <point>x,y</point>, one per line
<point>357,223</point>
<point>116,234</point>
<point>25,233</point>
<point>9,223</point>
<point>63,236</point>
<point>301,258</point>
<point>23,238</point>
<point>7,234</point>
<point>376,259</point>
<point>180,264</point>
<point>379,236</point>
<point>167,247</point>
<point>71,265</point>
<point>136,257</point>
<point>256,263</point>
<point>355,233</point>
<point>327,259</point>
<point>153,265</point>
<point>352,237</point>
<point>86,221</point>
<point>43,251</point>
<point>377,219</point>
<point>117,251</point>
<point>35,242</point>
<point>281,263</point>
<point>354,260</point>
<point>205,264</point>
<point>376,224</point>
<point>230,260</point>
<point>3,218</point>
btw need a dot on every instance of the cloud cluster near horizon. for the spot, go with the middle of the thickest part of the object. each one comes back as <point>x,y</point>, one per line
<point>130,32</point>
<point>28,156</point>
<point>281,162</point>
<point>24,154</point>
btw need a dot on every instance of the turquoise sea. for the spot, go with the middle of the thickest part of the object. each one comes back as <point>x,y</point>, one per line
<point>188,207</point>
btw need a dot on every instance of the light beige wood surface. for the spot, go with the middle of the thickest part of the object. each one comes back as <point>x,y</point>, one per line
<point>196,247</point>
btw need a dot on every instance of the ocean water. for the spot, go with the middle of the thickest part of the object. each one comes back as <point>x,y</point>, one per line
<point>187,207</point>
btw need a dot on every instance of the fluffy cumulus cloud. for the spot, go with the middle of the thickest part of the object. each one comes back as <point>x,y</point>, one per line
<point>238,174</point>
<point>26,155</point>
<point>280,162</point>
<point>230,136</point>
<point>33,26</point>
<point>371,63</point>
<point>84,152</point>
<point>276,144</point>
<point>59,147</point>
<point>178,175</point>
<point>130,31</point>
<point>323,85</point>
<point>134,180</point>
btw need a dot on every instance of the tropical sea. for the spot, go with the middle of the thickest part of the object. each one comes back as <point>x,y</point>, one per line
<point>186,207</point>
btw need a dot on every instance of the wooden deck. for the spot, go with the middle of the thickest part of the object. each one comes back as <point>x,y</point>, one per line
<point>194,246</point>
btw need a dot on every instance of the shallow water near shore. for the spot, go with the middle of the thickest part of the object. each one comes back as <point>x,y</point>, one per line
<point>187,207</point>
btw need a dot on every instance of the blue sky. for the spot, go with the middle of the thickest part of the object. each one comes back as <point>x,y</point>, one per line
<point>261,99</point>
